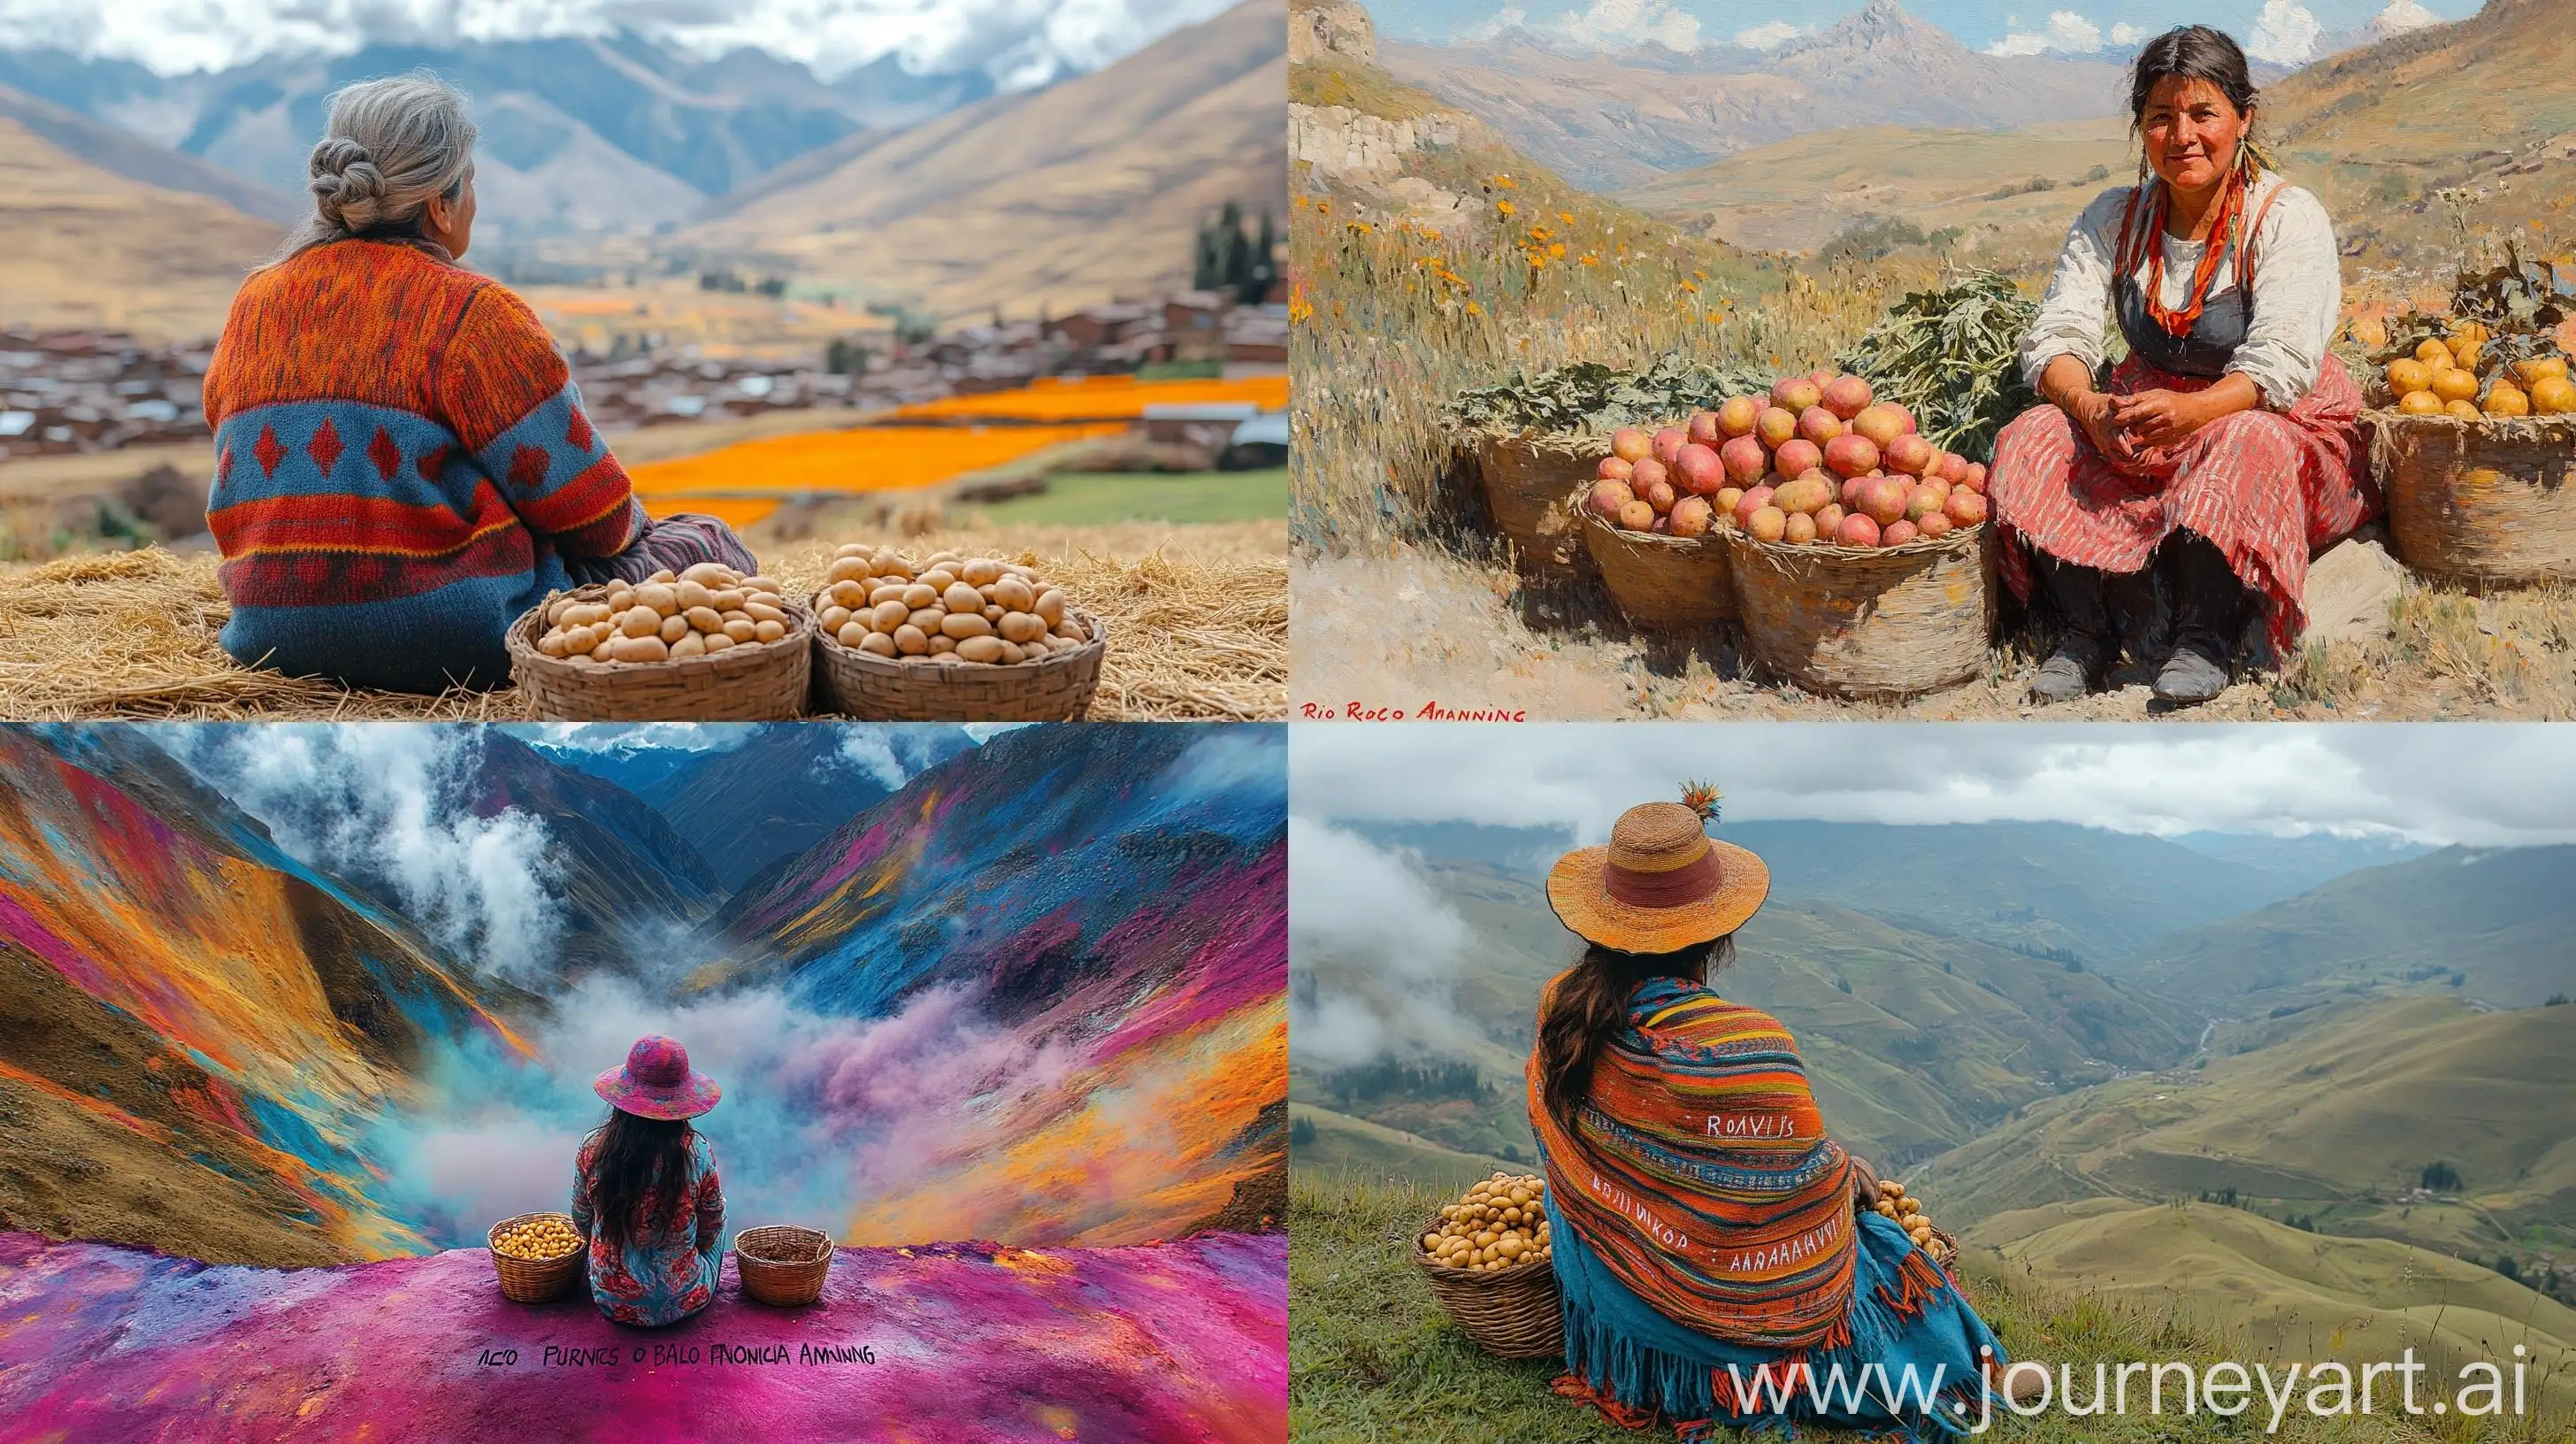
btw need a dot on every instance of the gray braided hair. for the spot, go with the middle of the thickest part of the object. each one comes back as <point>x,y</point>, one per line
<point>389,146</point>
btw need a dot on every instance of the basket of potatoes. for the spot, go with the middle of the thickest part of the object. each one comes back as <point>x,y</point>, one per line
<point>1907,1210</point>
<point>704,645</point>
<point>537,1255</point>
<point>951,638</point>
<point>1488,1260</point>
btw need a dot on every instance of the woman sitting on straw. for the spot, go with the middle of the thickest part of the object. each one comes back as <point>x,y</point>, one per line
<point>403,463</point>
<point>2227,447</point>
<point>1705,1227</point>
<point>644,1190</point>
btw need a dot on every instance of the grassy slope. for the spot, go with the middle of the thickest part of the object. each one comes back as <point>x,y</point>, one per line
<point>2293,1294</point>
<point>2499,918</point>
<point>1373,1358</point>
<point>1100,498</point>
<point>1356,1149</point>
<point>2337,1121</point>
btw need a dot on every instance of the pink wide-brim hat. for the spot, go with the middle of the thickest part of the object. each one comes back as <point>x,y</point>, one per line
<point>657,1082</point>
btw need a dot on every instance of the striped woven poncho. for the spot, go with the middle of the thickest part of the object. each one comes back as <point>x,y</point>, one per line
<point>1701,1175</point>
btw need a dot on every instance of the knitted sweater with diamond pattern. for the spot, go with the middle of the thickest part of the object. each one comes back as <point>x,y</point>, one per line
<point>402,461</point>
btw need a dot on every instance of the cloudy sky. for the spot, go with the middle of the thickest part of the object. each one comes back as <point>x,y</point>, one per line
<point>1019,42</point>
<point>2282,31</point>
<point>2476,784</point>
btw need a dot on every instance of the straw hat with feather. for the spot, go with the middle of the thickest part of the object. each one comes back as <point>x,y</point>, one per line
<point>1663,884</point>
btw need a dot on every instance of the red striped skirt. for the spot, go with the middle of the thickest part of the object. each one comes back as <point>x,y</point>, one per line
<point>2268,488</point>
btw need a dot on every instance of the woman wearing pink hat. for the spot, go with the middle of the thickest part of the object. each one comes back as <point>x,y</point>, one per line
<point>644,1190</point>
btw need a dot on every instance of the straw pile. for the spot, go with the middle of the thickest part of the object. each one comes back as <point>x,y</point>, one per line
<point>1198,617</point>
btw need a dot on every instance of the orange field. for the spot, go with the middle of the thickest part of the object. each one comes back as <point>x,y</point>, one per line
<point>745,482</point>
<point>1101,398</point>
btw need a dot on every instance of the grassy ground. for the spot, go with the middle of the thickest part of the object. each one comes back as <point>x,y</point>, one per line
<point>1101,498</point>
<point>1373,1358</point>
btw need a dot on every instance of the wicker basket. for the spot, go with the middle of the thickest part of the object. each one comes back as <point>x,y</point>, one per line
<point>783,1264</point>
<point>1660,581</point>
<point>2483,503</point>
<point>748,682</point>
<point>1528,480</point>
<point>1868,621</point>
<point>532,1281</point>
<point>1055,688</point>
<point>1515,1313</point>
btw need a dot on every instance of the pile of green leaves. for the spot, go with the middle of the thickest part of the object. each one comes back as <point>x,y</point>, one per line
<point>1952,357</point>
<point>1593,398</point>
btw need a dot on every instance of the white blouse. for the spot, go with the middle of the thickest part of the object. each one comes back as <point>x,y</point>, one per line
<point>2298,291</point>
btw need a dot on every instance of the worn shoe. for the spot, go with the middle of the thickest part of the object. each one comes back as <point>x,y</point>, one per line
<point>2068,672</point>
<point>2190,676</point>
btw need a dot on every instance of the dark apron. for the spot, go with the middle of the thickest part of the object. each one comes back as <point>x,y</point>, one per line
<point>2225,320</point>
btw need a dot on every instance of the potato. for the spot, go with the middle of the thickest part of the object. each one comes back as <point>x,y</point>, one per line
<point>764,612</point>
<point>715,641</point>
<point>665,576</point>
<point>852,595</point>
<point>942,644</point>
<point>584,613</point>
<point>861,550</point>
<point>847,569</point>
<point>890,592</point>
<point>1019,627</point>
<point>890,564</point>
<point>992,612</point>
<point>552,643</point>
<point>878,643</point>
<point>1035,648</point>
<point>953,560</point>
<point>606,651</point>
<point>761,584</point>
<point>582,639</point>
<point>831,619</point>
<point>1050,605</point>
<point>555,611</point>
<point>911,641</point>
<point>663,600</point>
<point>981,572</point>
<point>1071,631</point>
<point>929,618</point>
<point>728,599</point>
<point>938,579</point>
<point>1013,593</point>
<point>889,615</point>
<point>853,632</point>
<point>980,649</point>
<point>962,625</point>
<point>640,622</point>
<point>704,619</point>
<point>689,645</point>
<point>690,594</point>
<point>706,574</point>
<point>741,629</point>
<point>642,649</point>
<point>619,599</point>
<point>673,629</point>
<point>1011,653</point>
<point>917,596</point>
<point>959,597</point>
<point>768,631</point>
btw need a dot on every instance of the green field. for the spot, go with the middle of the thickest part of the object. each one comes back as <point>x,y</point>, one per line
<point>1101,498</point>
<point>1373,1358</point>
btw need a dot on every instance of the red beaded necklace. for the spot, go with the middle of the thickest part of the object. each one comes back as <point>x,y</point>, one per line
<point>2147,244</point>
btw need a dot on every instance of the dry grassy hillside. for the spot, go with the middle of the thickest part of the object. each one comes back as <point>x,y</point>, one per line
<point>85,247</point>
<point>1081,191</point>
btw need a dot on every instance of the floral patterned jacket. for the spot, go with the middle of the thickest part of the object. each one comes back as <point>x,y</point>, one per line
<point>662,1275</point>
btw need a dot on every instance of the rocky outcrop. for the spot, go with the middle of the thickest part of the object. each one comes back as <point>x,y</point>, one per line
<point>1345,144</point>
<point>1332,30</point>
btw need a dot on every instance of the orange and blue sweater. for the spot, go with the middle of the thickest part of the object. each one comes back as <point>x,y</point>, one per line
<point>402,462</point>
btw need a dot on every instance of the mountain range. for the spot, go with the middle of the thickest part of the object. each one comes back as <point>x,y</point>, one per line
<point>215,1045</point>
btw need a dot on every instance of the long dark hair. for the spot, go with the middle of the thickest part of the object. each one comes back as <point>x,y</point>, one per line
<point>635,1156</point>
<point>2197,52</point>
<point>1592,1004</point>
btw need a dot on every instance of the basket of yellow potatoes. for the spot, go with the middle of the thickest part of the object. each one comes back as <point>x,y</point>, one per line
<point>951,638</point>
<point>2476,456</point>
<point>1488,1259</point>
<point>708,644</point>
<point>538,1255</point>
<point>1907,1210</point>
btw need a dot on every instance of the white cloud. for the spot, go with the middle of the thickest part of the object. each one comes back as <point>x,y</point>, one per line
<point>1365,909</point>
<point>1019,43</point>
<point>1607,25</point>
<point>2514,785</point>
<point>2125,33</point>
<point>2068,31</point>
<point>2400,17</point>
<point>1769,36</point>
<point>2284,33</point>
